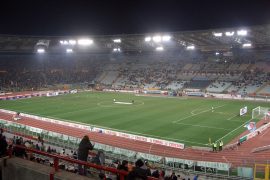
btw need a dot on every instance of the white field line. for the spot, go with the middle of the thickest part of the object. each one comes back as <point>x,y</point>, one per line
<point>234,129</point>
<point>233,120</point>
<point>199,108</point>
<point>176,121</point>
<point>119,130</point>
<point>210,127</point>
<point>232,117</point>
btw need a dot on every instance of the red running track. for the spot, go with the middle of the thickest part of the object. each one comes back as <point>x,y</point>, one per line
<point>239,156</point>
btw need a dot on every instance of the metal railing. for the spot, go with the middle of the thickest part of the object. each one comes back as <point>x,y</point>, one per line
<point>56,158</point>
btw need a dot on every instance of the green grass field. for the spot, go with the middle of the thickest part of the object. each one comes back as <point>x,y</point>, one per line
<point>187,120</point>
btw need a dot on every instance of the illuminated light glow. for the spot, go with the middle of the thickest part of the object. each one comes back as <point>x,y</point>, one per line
<point>147,39</point>
<point>217,53</point>
<point>116,50</point>
<point>64,42</point>
<point>69,42</point>
<point>72,42</point>
<point>229,33</point>
<point>160,48</point>
<point>219,34</point>
<point>246,45</point>
<point>242,32</point>
<point>85,42</point>
<point>190,47</point>
<point>166,38</point>
<point>156,38</point>
<point>69,50</point>
<point>117,40</point>
<point>41,50</point>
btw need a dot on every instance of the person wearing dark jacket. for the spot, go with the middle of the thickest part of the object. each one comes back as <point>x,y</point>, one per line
<point>3,146</point>
<point>123,167</point>
<point>138,171</point>
<point>84,147</point>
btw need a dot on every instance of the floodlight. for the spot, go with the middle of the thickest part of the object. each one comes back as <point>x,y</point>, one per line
<point>229,33</point>
<point>247,45</point>
<point>156,38</point>
<point>166,38</point>
<point>218,34</point>
<point>85,42</point>
<point>117,40</point>
<point>160,48</point>
<point>40,50</point>
<point>69,50</point>
<point>116,50</point>
<point>217,53</point>
<point>242,32</point>
<point>72,42</point>
<point>64,42</point>
<point>147,39</point>
<point>190,47</point>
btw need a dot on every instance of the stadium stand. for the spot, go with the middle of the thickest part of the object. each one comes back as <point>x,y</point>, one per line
<point>265,90</point>
<point>218,87</point>
<point>138,68</point>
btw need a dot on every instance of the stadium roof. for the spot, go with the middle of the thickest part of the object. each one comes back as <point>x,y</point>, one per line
<point>255,37</point>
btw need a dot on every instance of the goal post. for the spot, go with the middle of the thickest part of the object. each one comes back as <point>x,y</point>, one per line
<point>260,113</point>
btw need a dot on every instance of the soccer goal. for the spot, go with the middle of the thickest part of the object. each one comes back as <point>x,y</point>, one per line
<point>260,113</point>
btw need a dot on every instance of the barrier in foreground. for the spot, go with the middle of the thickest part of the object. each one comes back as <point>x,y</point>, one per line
<point>56,158</point>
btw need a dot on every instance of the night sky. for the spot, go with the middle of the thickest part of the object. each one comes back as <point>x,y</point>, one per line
<point>86,17</point>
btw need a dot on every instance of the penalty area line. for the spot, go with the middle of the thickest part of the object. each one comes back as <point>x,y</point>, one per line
<point>176,121</point>
<point>232,117</point>
<point>234,130</point>
<point>210,127</point>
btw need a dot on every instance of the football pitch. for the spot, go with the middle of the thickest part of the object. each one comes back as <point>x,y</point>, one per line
<point>191,121</point>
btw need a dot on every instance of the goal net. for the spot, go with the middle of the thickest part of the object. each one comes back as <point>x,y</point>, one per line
<point>261,113</point>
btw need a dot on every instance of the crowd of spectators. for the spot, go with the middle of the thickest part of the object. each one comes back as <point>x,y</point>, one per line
<point>139,170</point>
<point>36,74</point>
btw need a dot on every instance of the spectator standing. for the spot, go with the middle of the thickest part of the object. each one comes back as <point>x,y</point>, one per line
<point>3,145</point>
<point>84,147</point>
